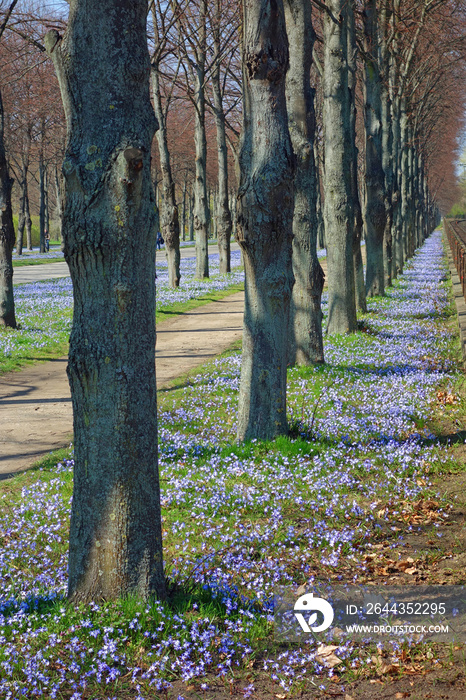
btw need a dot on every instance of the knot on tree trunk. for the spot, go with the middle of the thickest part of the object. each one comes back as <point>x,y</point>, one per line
<point>134,158</point>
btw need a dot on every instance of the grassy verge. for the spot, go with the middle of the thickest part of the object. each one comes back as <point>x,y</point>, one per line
<point>358,492</point>
<point>178,308</point>
<point>44,261</point>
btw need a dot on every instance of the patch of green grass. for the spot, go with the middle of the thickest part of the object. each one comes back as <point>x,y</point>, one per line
<point>27,351</point>
<point>26,263</point>
<point>179,308</point>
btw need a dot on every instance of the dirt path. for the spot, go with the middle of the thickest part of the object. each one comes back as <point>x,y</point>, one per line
<point>35,403</point>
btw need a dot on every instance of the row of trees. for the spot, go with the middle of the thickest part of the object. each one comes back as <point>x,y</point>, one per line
<point>412,68</point>
<point>198,112</point>
<point>362,156</point>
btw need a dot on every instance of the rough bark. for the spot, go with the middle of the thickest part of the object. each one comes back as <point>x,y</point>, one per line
<point>169,223</point>
<point>201,202</point>
<point>387,141</point>
<point>398,197</point>
<point>59,207</point>
<point>222,209</point>
<point>46,204</point>
<point>22,212</point>
<point>374,209</point>
<point>42,195</point>
<point>305,337</point>
<point>411,240</point>
<point>184,209</point>
<point>28,223</point>
<point>404,168</point>
<point>103,69</point>
<point>338,201</point>
<point>264,223</point>
<point>191,216</point>
<point>394,159</point>
<point>23,201</point>
<point>7,236</point>
<point>319,207</point>
<point>359,284</point>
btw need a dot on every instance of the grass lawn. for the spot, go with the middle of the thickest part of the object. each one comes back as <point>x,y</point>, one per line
<point>44,310</point>
<point>37,259</point>
<point>362,485</point>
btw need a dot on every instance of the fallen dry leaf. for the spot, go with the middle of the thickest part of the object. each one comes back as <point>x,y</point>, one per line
<point>386,668</point>
<point>398,696</point>
<point>326,656</point>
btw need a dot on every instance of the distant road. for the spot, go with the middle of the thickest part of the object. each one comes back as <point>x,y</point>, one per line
<point>48,271</point>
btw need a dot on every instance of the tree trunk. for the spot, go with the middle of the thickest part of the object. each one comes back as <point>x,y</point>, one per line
<point>109,245</point>
<point>395,192</point>
<point>41,204</point>
<point>319,207</point>
<point>191,216</point>
<point>374,210</point>
<point>387,142</point>
<point>222,211</point>
<point>201,202</point>
<point>170,226</point>
<point>183,209</point>
<point>233,209</point>
<point>398,210</point>
<point>212,215</point>
<point>265,219</point>
<point>7,236</point>
<point>22,211</point>
<point>305,337</point>
<point>359,284</point>
<point>411,202</point>
<point>46,205</point>
<point>338,200</point>
<point>59,209</point>
<point>403,244</point>
<point>28,223</point>
<point>23,204</point>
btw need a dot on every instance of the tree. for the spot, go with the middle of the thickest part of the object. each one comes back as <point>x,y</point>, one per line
<point>264,221</point>
<point>170,226</point>
<point>306,344</point>
<point>103,69</point>
<point>374,209</point>
<point>223,213</point>
<point>7,236</point>
<point>7,231</point>
<point>338,205</point>
<point>359,283</point>
<point>192,26</point>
